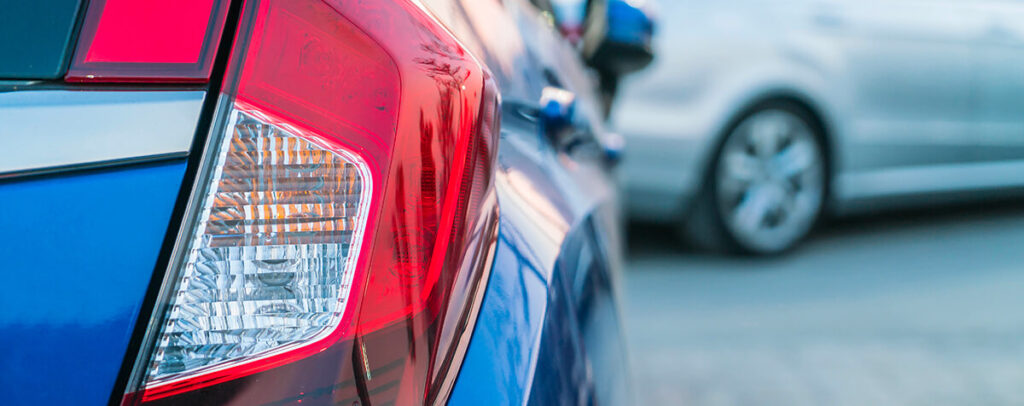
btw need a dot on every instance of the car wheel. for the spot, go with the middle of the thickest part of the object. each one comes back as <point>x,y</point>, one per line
<point>766,185</point>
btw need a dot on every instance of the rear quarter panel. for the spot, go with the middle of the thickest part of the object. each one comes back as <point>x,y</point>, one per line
<point>79,251</point>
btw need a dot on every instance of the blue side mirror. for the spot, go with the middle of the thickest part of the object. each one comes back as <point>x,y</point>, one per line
<point>626,46</point>
<point>629,24</point>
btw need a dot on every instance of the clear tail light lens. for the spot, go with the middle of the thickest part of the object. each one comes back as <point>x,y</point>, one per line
<point>341,227</point>
<point>271,262</point>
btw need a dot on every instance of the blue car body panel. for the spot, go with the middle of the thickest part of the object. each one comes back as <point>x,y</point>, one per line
<point>78,256</point>
<point>548,331</point>
<point>498,369</point>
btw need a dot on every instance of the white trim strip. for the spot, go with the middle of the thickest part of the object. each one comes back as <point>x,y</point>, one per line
<point>60,128</point>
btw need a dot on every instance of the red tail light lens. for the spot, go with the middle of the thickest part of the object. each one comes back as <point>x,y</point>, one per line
<point>343,222</point>
<point>148,41</point>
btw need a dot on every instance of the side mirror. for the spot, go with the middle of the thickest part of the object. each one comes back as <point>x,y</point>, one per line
<point>618,35</point>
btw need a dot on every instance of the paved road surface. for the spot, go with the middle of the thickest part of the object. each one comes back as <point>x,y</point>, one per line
<point>907,309</point>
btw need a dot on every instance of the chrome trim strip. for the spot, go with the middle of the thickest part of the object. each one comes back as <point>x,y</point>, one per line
<point>53,130</point>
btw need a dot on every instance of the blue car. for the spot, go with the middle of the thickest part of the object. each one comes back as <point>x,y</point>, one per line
<point>284,202</point>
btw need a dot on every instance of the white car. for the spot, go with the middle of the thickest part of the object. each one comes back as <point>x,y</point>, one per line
<point>761,115</point>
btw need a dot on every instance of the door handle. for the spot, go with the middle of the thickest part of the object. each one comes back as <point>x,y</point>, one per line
<point>558,118</point>
<point>557,109</point>
<point>558,122</point>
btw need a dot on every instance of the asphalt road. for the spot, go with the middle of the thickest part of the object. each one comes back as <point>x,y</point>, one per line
<point>921,308</point>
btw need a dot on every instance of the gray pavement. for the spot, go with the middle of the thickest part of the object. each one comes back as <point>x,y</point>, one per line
<point>922,308</point>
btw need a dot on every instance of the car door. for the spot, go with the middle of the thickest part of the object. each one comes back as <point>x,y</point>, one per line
<point>905,83</point>
<point>548,331</point>
<point>1000,110</point>
<point>590,259</point>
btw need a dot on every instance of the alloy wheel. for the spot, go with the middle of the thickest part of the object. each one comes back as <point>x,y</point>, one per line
<point>770,180</point>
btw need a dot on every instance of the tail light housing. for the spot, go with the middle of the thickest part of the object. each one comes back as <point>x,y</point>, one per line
<point>343,220</point>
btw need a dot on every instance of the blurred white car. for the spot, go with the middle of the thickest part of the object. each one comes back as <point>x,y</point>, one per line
<point>760,115</point>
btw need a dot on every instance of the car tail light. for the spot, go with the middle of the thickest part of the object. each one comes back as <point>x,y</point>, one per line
<point>271,259</point>
<point>342,223</point>
<point>148,41</point>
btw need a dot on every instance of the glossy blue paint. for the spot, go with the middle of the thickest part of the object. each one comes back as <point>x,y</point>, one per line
<point>78,252</point>
<point>548,315</point>
<point>498,368</point>
<point>542,338</point>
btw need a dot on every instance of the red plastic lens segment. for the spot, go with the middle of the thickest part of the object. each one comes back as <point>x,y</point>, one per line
<point>148,41</point>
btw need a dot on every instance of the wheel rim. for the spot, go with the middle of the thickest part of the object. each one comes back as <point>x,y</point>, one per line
<point>770,180</point>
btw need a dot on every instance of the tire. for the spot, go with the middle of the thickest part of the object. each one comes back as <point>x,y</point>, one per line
<point>766,184</point>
